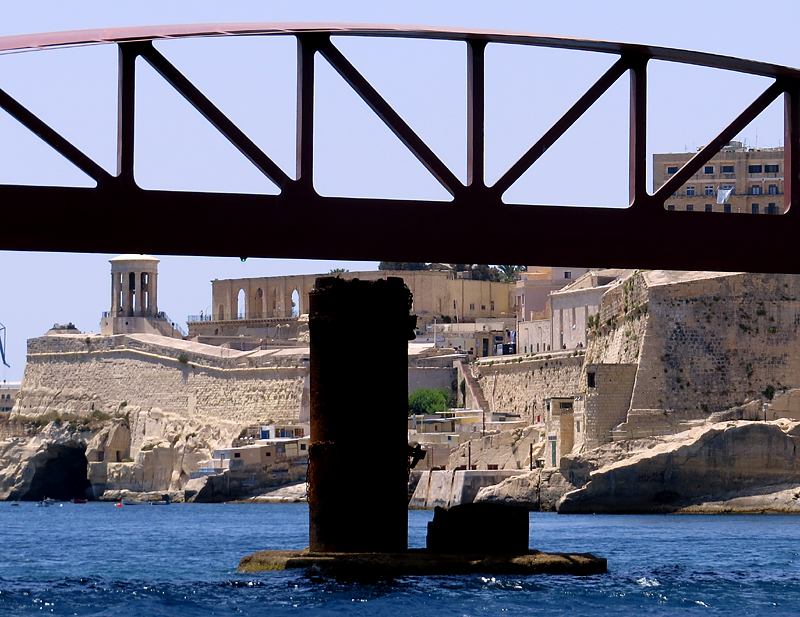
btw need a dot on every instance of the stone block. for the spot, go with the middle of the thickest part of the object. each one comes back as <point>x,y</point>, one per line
<point>479,528</point>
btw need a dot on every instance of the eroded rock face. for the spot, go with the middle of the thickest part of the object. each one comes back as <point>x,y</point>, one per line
<point>539,489</point>
<point>148,451</point>
<point>50,464</point>
<point>687,469</point>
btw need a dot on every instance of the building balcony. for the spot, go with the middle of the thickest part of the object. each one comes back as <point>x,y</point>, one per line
<point>240,317</point>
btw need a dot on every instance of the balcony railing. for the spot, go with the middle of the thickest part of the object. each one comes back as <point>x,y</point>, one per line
<point>236,317</point>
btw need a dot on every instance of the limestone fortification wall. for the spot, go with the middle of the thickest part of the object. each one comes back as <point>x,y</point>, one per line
<point>715,340</point>
<point>71,375</point>
<point>692,344</point>
<point>521,385</point>
<point>618,333</point>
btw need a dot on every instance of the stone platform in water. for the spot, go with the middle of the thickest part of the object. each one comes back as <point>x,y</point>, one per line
<point>417,562</point>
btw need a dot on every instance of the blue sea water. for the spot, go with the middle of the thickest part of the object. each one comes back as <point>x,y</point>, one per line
<point>96,559</point>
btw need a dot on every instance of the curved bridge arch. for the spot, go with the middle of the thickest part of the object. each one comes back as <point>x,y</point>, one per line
<point>641,235</point>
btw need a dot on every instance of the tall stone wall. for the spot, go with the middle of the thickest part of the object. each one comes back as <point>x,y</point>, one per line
<point>621,324</point>
<point>79,378</point>
<point>522,385</point>
<point>715,340</point>
<point>608,401</point>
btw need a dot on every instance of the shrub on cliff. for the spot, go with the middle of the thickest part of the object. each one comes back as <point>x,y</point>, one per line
<point>428,400</point>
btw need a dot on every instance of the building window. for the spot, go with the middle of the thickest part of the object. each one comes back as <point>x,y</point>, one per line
<point>726,169</point>
<point>690,191</point>
<point>729,187</point>
<point>726,208</point>
<point>754,208</point>
<point>671,207</point>
<point>708,169</point>
<point>772,209</point>
<point>771,169</point>
<point>754,169</point>
<point>483,307</point>
<point>755,190</point>
<point>672,170</point>
<point>237,455</point>
<point>491,305</point>
<point>567,274</point>
<point>472,306</point>
<point>689,208</point>
<point>709,208</point>
<point>772,189</point>
<point>455,305</point>
<point>578,426</point>
<point>590,382</point>
<point>708,190</point>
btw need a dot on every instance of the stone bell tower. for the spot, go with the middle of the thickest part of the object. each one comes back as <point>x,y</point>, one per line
<point>134,299</point>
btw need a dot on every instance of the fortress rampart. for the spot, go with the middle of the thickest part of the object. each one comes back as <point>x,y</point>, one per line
<point>80,375</point>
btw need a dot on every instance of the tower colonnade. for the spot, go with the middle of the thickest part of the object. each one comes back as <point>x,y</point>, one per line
<point>134,286</point>
<point>134,299</point>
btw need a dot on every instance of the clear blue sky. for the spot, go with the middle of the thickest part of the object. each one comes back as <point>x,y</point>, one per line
<point>74,91</point>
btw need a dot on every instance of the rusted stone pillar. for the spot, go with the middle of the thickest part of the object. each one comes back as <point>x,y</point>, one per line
<point>357,472</point>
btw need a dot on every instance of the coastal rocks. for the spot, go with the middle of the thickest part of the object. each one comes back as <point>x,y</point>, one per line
<point>451,488</point>
<point>764,500</point>
<point>539,489</point>
<point>52,463</point>
<point>689,469</point>
<point>138,452</point>
<point>294,493</point>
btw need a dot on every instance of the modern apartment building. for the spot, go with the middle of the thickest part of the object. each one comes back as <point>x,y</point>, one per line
<point>754,177</point>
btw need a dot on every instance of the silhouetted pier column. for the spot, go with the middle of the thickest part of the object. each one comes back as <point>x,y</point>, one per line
<point>359,407</point>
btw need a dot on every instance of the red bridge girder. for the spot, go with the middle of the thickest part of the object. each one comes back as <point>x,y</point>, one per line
<point>643,235</point>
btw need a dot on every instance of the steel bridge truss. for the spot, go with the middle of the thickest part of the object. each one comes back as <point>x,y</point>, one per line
<point>643,235</point>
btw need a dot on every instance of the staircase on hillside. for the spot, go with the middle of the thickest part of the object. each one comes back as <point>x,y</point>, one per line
<point>474,387</point>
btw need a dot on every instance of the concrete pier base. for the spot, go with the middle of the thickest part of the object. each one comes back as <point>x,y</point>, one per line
<point>381,566</point>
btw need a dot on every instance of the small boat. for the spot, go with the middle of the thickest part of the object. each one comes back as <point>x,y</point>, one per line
<point>49,501</point>
<point>43,504</point>
<point>158,502</point>
<point>131,502</point>
<point>80,501</point>
<point>15,503</point>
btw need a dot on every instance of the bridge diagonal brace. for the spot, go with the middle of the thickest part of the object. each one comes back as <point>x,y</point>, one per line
<point>391,118</point>
<point>561,126</point>
<point>694,164</point>
<point>212,113</point>
<point>53,139</point>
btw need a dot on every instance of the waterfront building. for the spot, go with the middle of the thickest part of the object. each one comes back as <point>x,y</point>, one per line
<point>738,179</point>
<point>9,390</point>
<point>272,308</point>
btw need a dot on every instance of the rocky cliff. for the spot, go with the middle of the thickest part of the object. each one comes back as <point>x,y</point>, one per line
<point>138,413</point>
<point>733,466</point>
<point>141,452</point>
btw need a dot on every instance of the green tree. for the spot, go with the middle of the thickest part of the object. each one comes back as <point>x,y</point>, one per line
<point>485,272</point>
<point>428,400</point>
<point>510,273</point>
